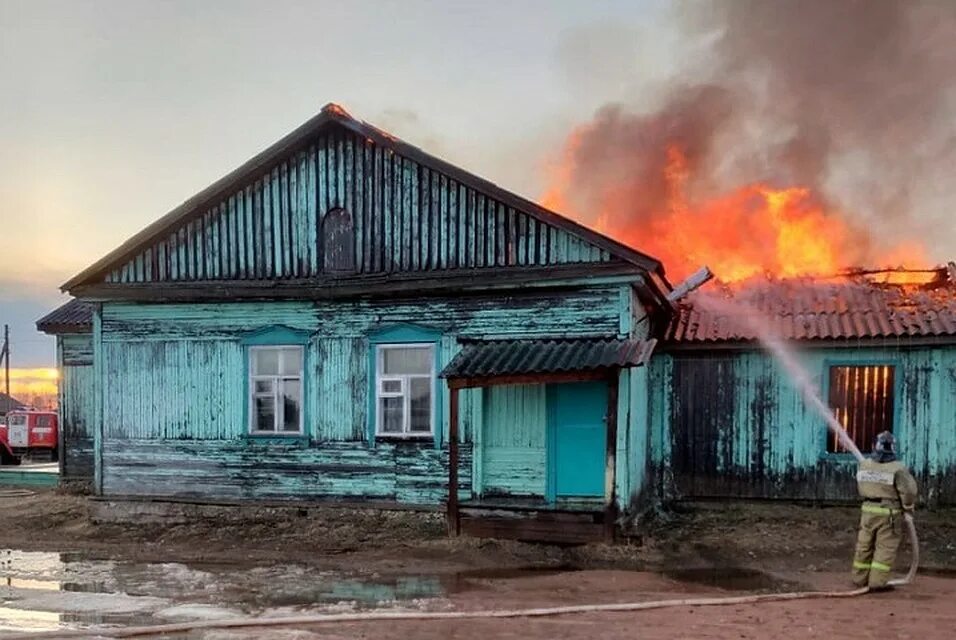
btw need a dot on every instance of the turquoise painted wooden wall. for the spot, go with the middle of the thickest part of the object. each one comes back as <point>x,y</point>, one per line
<point>406,217</point>
<point>769,444</point>
<point>512,441</point>
<point>173,394</point>
<point>76,404</point>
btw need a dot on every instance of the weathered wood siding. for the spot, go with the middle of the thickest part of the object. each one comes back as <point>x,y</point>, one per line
<point>413,473</point>
<point>405,217</point>
<point>513,441</point>
<point>730,424</point>
<point>76,405</point>
<point>174,392</point>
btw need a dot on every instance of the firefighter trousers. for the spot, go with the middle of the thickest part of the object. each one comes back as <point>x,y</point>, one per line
<point>881,531</point>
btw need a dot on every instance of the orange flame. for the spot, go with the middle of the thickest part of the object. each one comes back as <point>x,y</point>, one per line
<point>753,230</point>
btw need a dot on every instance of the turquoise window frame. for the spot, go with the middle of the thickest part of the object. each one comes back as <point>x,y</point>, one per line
<point>277,336</point>
<point>397,335</point>
<point>863,361</point>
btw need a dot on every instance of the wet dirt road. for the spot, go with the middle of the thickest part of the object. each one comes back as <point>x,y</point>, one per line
<point>42,591</point>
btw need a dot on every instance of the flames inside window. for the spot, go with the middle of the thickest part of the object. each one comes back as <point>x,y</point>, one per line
<point>862,400</point>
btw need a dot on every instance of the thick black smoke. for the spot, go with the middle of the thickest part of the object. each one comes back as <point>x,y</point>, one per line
<point>853,98</point>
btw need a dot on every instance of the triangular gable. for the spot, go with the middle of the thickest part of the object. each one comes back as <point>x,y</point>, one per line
<point>338,196</point>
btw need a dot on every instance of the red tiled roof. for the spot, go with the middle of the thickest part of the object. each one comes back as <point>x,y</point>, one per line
<point>804,309</point>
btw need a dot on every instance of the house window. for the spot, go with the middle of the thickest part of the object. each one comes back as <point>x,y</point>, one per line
<point>404,383</point>
<point>338,241</point>
<point>862,399</point>
<point>275,380</point>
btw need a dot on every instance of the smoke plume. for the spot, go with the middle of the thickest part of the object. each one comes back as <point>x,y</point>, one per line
<point>851,102</point>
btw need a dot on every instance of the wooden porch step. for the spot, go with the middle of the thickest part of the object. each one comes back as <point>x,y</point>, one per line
<point>589,517</point>
<point>558,531</point>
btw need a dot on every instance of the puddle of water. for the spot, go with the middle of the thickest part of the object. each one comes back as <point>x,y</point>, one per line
<point>54,591</point>
<point>733,579</point>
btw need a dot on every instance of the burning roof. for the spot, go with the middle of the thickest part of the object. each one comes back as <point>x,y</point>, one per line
<point>857,304</point>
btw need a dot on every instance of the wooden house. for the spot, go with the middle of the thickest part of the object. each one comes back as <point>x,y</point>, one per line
<point>72,325</point>
<point>727,421</point>
<point>347,318</point>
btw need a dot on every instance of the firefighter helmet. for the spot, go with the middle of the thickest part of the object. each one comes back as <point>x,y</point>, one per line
<point>885,443</point>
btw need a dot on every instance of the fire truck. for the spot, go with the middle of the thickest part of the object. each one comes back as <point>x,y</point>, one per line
<point>29,433</point>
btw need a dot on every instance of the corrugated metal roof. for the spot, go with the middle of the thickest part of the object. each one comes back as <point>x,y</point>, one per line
<point>74,316</point>
<point>519,357</point>
<point>812,310</point>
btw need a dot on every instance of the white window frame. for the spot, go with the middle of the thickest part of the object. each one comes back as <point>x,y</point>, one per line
<point>403,379</point>
<point>278,417</point>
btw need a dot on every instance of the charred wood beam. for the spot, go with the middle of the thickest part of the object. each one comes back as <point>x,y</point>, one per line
<point>610,510</point>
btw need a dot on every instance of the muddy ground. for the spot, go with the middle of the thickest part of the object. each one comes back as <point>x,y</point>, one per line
<point>230,561</point>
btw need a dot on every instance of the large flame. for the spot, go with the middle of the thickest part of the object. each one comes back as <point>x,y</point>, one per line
<point>752,230</point>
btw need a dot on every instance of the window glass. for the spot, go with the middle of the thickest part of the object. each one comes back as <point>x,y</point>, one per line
<point>17,420</point>
<point>44,422</point>
<point>404,384</point>
<point>392,386</point>
<point>265,413</point>
<point>291,362</point>
<point>276,389</point>
<point>421,405</point>
<point>392,414</point>
<point>291,404</point>
<point>266,362</point>
<point>407,360</point>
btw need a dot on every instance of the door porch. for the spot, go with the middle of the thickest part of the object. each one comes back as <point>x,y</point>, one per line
<point>558,485</point>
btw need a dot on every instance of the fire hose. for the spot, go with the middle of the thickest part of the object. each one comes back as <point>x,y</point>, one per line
<point>385,616</point>
<point>772,343</point>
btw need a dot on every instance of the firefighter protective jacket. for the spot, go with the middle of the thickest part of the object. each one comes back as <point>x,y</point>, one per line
<point>888,482</point>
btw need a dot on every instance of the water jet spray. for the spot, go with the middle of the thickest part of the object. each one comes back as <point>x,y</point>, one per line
<point>785,356</point>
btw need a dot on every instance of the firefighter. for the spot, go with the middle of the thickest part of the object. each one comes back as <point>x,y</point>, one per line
<point>888,489</point>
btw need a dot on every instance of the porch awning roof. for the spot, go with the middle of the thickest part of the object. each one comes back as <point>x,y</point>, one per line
<point>501,358</point>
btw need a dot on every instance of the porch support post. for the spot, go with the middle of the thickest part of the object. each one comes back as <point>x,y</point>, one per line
<point>610,507</point>
<point>453,522</point>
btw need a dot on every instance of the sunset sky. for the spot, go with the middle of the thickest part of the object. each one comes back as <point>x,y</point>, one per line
<point>115,112</point>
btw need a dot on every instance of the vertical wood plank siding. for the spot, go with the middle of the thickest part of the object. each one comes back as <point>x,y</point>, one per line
<point>513,441</point>
<point>732,425</point>
<point>76,405</point>
<point>406,217</point>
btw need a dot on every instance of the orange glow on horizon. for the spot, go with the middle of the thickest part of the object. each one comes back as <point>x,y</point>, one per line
<point>29,383</point>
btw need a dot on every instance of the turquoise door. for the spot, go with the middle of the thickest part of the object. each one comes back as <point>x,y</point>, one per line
<point>577,442</point>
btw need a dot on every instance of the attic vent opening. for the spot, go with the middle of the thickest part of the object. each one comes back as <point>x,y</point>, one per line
<point>338,241</point>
